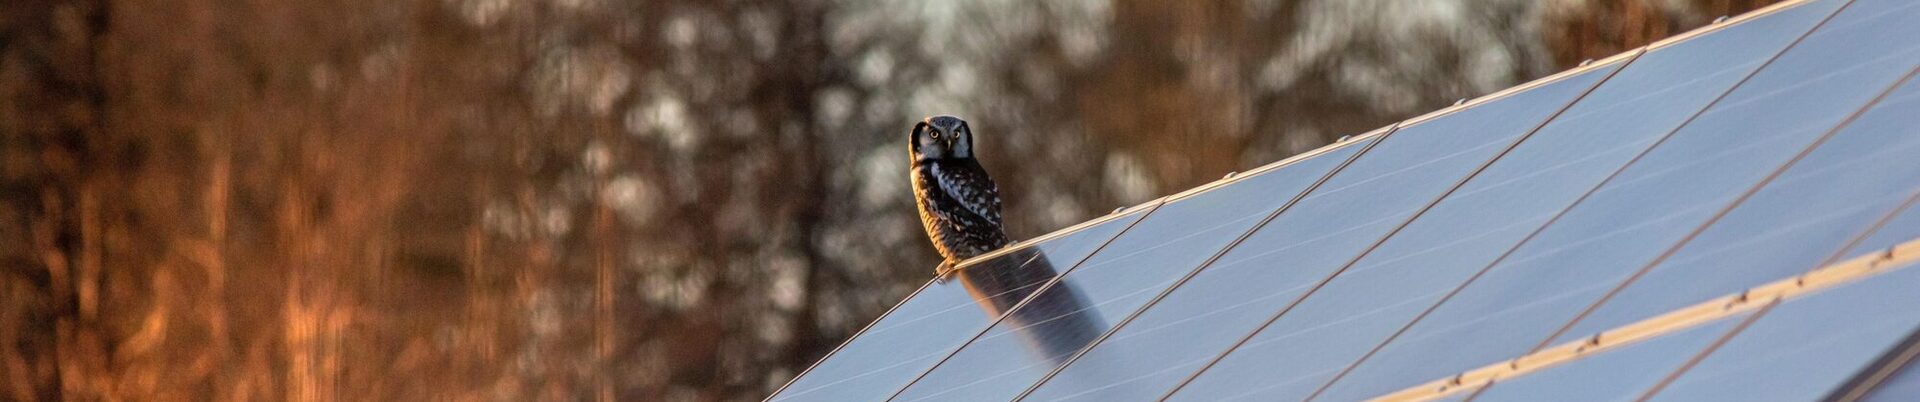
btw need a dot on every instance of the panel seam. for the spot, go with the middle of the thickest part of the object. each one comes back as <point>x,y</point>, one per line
<point>1726,209</point>
<point>1211,259</point>
<point>1156,204</point>
<point>1870,378</point>
<point>1878,224</point>
<point>1322,282</point>
<point>1577,202</point>
<point>1852,242</point>
<point>1706,352</point>
<point>1831,259</point>
<point>1905,255</point>
<point>856,335</point>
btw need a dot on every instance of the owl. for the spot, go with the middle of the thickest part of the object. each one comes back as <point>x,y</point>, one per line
<point>958,204</point>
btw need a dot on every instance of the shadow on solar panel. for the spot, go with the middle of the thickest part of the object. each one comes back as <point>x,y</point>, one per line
<point>995,286</point>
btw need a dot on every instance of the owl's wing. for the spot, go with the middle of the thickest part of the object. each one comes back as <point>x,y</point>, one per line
<point>969,185</point>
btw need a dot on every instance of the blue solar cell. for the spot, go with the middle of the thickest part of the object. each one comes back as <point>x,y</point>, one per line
<point>1388,288</point>
<point>1796,223</point>
<point>1807,348</point>
<point>1903,386</point>
<point>1283,259</point>
<point>1903,226</point>
<point>942,316</point>
<point>1175,239</point>
<point>1613,375</point>
<point>1651,205</point>
<point>1629,222</point>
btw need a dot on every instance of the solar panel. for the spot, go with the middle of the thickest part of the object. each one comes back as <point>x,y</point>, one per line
<point>1310,241</point>
<point>1799,220</point>
<point>944,314</point>
<point>1810,337</point>
<point>1614,375</point>
<point>1905,224</point>
<point>1641,227</point>
<point>1902,386</point>
<point>1653,204</point>
<point>1621,351</point>
<point>1807,348</point>
<point>1383,292</point>
<point>1143,261</point>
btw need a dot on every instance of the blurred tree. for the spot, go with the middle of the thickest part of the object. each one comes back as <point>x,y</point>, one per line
<point>589,199</point>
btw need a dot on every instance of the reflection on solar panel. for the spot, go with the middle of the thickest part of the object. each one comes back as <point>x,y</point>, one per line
<point>1832,332</point>
<point>944,314</point>
<point>1729,214</point>
<point>1146,259</point>
<point>1379,192</point>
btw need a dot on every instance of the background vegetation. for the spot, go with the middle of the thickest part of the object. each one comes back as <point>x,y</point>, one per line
<point>631,200</point>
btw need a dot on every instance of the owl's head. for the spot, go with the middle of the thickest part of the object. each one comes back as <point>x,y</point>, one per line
<point>942,137</point>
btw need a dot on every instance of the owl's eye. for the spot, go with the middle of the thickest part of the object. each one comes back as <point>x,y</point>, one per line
<point>934,133</point>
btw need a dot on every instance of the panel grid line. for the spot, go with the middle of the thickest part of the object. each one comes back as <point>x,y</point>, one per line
<point>1690,362</point>
<point>1383,137</point>
<point>1576,203</point>
<point>1631,56</point>
<point>1881,222</point>
<point>1724,210</point>
<point>856,335</point>
<point>1236,177</point>
<point>1063,232</point>
<point>1831,259</point>
<point>1858,237</point>
<point>1905,255</point>
<point>1697,357</point>
<point>1156,204</point>
<point>1870,377</point>
<point>970,262</point>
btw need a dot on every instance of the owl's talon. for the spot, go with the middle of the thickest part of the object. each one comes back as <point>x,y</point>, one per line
<point>946,267</point>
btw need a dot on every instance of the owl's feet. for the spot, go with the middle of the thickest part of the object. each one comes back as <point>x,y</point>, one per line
<point>946,267</point>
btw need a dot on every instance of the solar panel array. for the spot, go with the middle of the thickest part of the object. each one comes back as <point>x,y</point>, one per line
<point>1724,215</point>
